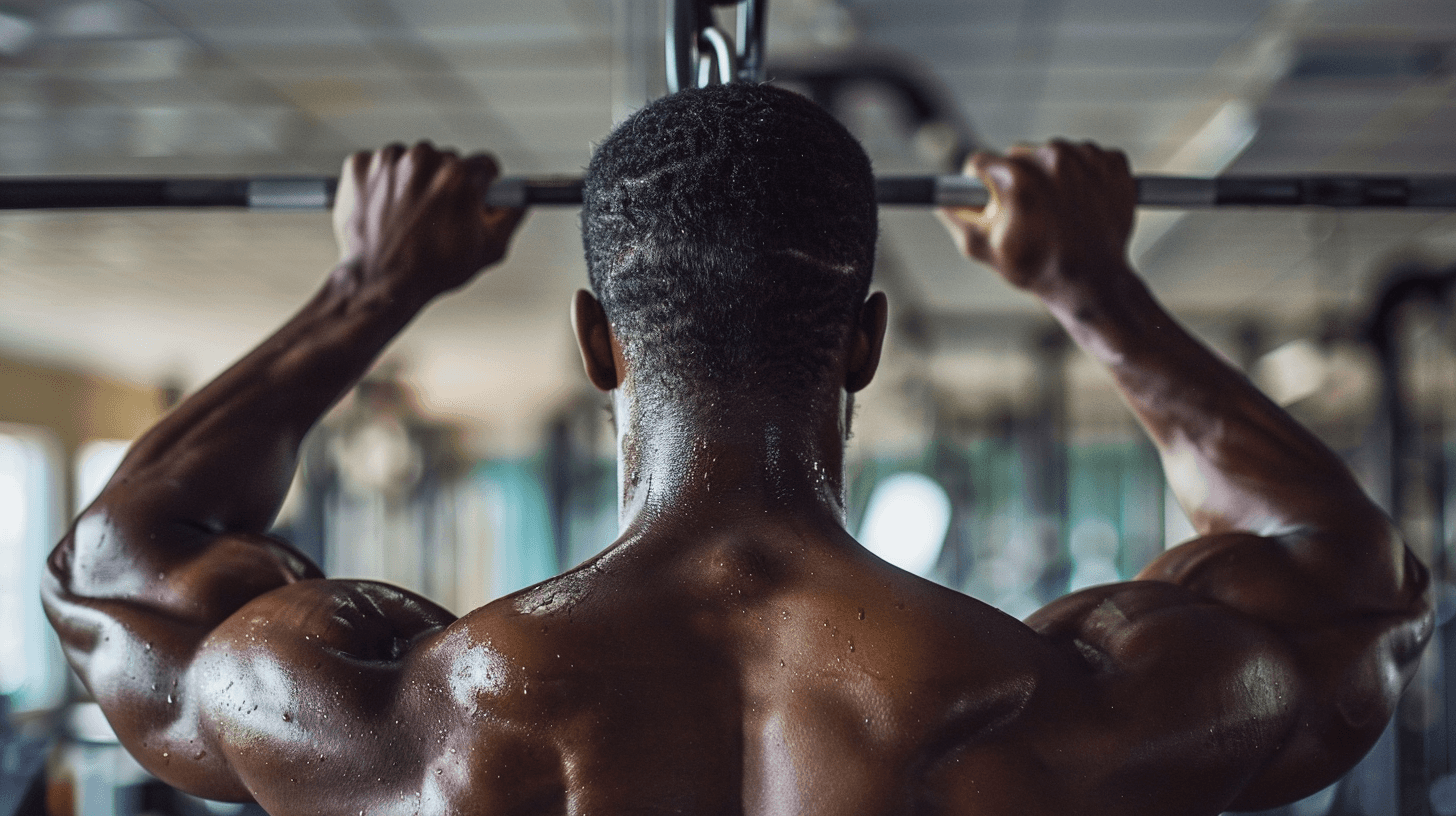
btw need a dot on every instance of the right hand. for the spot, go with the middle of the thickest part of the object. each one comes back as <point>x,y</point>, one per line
<point>415,220</point>
<point>1057,213</point>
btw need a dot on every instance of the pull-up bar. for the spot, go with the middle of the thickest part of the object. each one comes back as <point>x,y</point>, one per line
<point>1433,192</point>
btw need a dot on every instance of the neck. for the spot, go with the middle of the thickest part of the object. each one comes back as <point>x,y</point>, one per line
<point>726,459</point>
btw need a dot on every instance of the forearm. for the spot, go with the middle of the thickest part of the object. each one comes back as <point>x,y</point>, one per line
<point>222,461</point>
<point>1236,461</point>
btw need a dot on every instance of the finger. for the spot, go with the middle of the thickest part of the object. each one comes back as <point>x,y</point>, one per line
<point>346,197</point>
<point>1010,180</point>
<point>993,170</point>
<point>968,229</point>
<point>386,157</point>
<point>504,220</point>
<point>1062,158</point>
<point>1117,163</point>
<point>483,168</point>
<point>382,167</point>
<point>420,166</point>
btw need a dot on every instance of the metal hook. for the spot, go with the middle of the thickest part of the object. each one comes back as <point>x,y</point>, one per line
<point>722,56</point>
<point>695,43</point>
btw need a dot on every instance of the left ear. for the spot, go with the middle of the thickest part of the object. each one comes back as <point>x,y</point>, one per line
<point>866,341</point>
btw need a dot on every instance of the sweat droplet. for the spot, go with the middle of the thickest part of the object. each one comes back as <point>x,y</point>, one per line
<point>169,699</point>
<point>861,613</point>
<point>287,717</point>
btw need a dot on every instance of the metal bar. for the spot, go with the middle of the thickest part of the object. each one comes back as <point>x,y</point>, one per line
<point>751,17</point>
<point>1411,192</point>
<point>681,40</point>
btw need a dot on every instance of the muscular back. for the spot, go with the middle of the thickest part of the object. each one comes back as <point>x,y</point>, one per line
<point>737,652</point>
<point>761,671</point>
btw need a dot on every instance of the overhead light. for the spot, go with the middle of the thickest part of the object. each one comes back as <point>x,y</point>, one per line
<point>1224,136</point>
<point>96,19</point>
<point>16,33</point>
<point>906,522</point>
<point>1215,145</point>
<point>1291,372</point>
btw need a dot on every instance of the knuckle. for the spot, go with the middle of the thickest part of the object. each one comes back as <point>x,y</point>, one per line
<point>1051,154</point>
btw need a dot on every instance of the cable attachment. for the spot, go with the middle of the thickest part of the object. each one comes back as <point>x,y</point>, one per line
<point>700,53</point>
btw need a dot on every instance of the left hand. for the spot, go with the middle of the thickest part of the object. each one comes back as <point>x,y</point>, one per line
<point>415,221</point>
<point>1059,213</point>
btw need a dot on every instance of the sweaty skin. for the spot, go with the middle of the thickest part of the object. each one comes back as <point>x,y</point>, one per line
<point>735,651</point>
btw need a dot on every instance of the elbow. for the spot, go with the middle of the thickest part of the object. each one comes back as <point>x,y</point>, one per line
<point>1416,582</point>
<point>1408,639</point>
<point>55,582</point>
<point>58,566</point>
<point>90,562</point>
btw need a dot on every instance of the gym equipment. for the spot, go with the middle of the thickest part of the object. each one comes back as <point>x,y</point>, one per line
<point>700,53</point>
<point>1433,192</point>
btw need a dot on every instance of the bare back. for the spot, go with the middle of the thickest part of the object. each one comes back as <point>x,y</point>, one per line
<point>727,676</point>
<point>737,652</point>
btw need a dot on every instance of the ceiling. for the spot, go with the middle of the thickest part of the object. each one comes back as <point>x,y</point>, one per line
<point>174,87</point>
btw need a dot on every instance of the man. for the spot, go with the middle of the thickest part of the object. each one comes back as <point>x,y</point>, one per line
<point>735,651</point>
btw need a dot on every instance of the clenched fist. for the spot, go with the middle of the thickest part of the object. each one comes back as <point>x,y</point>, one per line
<point>415,219</point>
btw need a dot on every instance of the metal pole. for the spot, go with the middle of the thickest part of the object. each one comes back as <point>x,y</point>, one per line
<point>1436,192</point>
<point>1402,428</point>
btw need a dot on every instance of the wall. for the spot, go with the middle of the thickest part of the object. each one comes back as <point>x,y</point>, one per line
<point>75,406</point>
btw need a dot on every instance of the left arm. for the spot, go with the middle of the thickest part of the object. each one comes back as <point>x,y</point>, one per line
<point>168,586</point>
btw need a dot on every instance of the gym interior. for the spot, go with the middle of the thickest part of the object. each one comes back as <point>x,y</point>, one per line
<point>990,455</point>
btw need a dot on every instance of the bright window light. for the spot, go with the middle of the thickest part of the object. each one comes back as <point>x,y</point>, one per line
<point>30,661</point>
<point>15,490</point>
<point>95,463</point>
<point>906,521</point>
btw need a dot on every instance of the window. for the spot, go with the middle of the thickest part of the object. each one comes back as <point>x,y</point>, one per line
<point>32,671</point>
<point>95,462</point>
<point>906,521</point>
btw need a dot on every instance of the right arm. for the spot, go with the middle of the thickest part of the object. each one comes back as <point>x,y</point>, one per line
<point>1267,655</point>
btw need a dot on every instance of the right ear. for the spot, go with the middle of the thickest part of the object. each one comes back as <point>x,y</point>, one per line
<point>594,340</point>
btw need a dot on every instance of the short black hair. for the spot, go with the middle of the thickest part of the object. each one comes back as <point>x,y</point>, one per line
<point>730,236</point>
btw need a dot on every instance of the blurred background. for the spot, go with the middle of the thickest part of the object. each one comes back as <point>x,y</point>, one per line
<point>990,455</point>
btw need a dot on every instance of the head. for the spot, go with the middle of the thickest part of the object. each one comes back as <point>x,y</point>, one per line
<point>730,238</point>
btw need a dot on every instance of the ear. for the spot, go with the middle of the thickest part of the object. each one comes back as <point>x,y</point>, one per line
<point>865,344</point>
<point>594,339</point>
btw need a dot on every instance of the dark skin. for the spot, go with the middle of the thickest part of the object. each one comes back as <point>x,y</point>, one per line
<point>736,651</point>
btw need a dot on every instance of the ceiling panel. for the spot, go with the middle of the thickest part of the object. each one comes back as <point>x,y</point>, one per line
<point>218,86</point>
